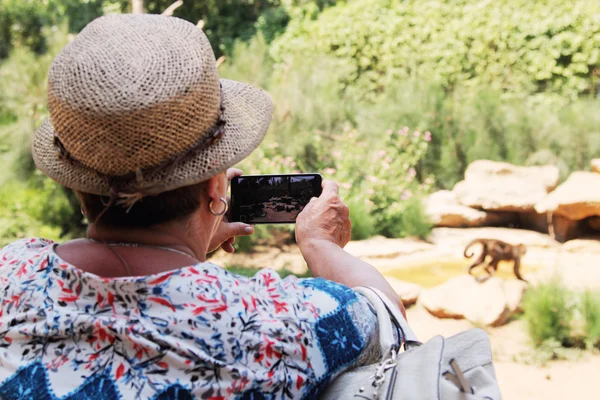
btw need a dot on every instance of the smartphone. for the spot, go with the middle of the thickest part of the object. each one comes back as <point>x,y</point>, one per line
<point>272,199</point>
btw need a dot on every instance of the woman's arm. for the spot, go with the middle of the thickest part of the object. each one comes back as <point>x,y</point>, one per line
<point>323,228</point>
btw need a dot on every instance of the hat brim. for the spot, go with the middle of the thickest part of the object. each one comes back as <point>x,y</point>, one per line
<point>247,112</point>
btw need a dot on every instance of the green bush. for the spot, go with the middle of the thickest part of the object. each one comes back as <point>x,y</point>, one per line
<point>590,309</point>
<point>558,318</point>
<point>34,208</point>
<point>514,46</point>
<point>363,224</point>
<point>413,221</point>
<point>549,311</point>
<point>30,203</point>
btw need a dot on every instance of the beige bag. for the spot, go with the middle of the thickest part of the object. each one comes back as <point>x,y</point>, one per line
<point>455,368</point>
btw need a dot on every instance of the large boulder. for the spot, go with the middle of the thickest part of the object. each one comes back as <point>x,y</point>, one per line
<point>565,229</point>
<point>443,210</point>
<point>596,165</point>
<point>490,303</point>
<point>583,246</point>
<point>577,198</point>
<point>499,186</point>
<point>408,291</point>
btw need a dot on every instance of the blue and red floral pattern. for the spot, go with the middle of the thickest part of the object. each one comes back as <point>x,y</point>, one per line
<point>195,332</point>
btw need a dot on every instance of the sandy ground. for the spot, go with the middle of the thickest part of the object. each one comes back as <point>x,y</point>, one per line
<point>558,380</point>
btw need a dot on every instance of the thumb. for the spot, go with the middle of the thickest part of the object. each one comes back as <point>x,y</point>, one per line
<point>239,229</point>
<point>310,203</point>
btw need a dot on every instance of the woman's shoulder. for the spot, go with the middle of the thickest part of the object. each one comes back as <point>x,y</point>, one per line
<point>25,246</point>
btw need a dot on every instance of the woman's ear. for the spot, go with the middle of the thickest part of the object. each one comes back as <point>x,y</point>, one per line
<point>217,187</point>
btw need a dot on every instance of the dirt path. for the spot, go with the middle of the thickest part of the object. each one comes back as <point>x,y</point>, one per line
<point>558,380</point>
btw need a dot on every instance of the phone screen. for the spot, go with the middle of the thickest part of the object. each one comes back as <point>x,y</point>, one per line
<point>272,199</point>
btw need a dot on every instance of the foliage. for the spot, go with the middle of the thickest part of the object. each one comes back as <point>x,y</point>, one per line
<point>378,172</point>
<point>21,23</point>
<point>33,209</point>
<point>382,175</point>
<point>558,318</point>
<point>23,79</point>
<point>249,62</point>
<point>32,204</point>
<point>590,309</point>
<point>363,223</point>
<point>250,272</point>
<point>477,123</point>
<point>467,124</point>
<point>513,46</point>
<point>548,310</point>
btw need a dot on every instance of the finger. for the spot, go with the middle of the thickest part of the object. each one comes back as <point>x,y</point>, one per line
<point>231,240</point>
<point>238,229</point>
<point>330,187</point>
<point>233,172</point>
<point>228,248</point>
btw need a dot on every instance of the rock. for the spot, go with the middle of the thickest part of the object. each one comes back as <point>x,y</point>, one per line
<point>577,198</point>
<point>566,229</point>
<point>459,238</point>
<point>408,292</point>
<point>443,209</point>
<point>596,165</point>
<point>490,303</point>
<point>514,290</point>
<point>498,186</point>
<point>380,247</point>
<point>533,221</point>
<point>582,246</point>
<point>594,223</point>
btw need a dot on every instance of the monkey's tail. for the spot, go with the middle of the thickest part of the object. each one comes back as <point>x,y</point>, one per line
<point>469,246</point>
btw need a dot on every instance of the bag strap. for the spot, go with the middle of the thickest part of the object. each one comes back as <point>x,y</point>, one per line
<point>388,314</point>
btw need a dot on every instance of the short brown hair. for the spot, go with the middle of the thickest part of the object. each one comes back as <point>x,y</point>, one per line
<point>150,210</point>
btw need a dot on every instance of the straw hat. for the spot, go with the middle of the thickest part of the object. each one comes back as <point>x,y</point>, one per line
<point>137,108</point>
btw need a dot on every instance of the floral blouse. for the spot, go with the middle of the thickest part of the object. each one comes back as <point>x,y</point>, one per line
<point>195,332</point>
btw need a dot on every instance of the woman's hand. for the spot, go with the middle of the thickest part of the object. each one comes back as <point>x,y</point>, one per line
<point>323,228</point>
<point>324,218</point>
<point>225,235</point>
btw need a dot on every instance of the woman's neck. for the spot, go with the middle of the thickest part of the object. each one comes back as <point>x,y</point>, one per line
<point>174,235</point>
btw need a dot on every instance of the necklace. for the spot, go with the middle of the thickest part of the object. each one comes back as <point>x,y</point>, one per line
<point>126,244</point>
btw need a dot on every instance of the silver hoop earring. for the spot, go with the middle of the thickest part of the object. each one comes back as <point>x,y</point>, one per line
<point>210,207</point>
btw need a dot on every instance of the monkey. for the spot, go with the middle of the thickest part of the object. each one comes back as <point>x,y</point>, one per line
<point>499,251</point>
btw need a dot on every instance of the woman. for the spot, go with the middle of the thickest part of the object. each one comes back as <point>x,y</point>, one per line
<point>144,132</point>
